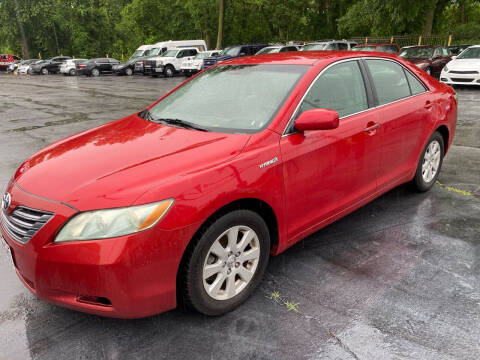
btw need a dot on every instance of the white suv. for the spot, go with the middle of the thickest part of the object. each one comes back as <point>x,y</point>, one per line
<point>190,67</point>
<point>169,62</point>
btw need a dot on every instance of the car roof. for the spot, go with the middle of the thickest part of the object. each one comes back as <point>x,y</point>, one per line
<point>304,57</point>
<point>376,44</point>
<point>422,46</point>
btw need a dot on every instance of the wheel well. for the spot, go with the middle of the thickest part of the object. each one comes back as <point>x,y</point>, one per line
<point>256,205</point>
<point>443,130</point>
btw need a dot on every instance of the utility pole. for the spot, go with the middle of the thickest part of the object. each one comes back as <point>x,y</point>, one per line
<point>221,14</point>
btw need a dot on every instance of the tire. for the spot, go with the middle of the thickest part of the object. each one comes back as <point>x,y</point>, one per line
<point>231,281</point>
<point>95,72</point>
<point>72,72</point>
<point>169,71</point>
<point>45,71</point>
<point>430,163</point>
<point>129,72</point>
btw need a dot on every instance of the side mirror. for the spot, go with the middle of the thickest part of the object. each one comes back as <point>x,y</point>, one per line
<point>317,119</point>
<point>454,57</point>
<point>243,54</point>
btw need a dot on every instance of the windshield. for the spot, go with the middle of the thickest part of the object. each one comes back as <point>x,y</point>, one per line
<point>231,51</point>
<point>137,53</point>
<point>151,52</point>
<point>364,48</point>
<point>417,53</point>
<point>470,53</point>
<point>232,98</point>
<point>202,55</point>
<point>310,47</point>
<point>268,50</point>
<point>170,53</point>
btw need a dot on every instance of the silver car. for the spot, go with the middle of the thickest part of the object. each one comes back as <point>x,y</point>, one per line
<point>69,67</point>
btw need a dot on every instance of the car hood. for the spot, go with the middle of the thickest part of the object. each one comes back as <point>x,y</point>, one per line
<point>418,61</point>
<point>114,164</point>
<point>464,64</point>
<point>221,58</point>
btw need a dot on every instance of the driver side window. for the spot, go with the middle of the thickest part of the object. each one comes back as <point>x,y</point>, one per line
<point>340,88</point>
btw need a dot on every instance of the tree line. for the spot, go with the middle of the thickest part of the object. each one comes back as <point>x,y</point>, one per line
<point>91,28</point>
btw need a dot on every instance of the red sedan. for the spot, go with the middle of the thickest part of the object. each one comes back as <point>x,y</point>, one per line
<point>184,202</point>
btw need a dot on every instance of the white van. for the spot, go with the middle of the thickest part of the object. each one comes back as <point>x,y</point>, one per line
<point>141,50</point>
<point>201,45</point>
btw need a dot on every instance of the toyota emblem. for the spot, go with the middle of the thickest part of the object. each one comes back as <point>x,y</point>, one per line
<point>6,200</point>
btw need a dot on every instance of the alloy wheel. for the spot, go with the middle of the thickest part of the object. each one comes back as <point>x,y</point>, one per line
<point>231,262</point>
<point>431,161</point>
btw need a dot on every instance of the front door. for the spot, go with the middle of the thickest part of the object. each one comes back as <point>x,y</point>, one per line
<point>326,172</point>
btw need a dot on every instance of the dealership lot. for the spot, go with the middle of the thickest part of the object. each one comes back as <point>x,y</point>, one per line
<point>398,278</point>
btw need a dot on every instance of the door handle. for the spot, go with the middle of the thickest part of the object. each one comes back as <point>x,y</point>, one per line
<point>372,128</point>
<point>428,105</point>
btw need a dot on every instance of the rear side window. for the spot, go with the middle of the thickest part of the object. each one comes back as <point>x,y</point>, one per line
<point>340,88</point>
<point>342,46</point>
<point>415,85</point>
<point>389,79</point>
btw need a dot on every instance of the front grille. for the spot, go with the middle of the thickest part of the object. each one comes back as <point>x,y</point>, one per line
<point>209,62</point>
<point>23,223</point>
<point>463,72</point>
<point>462,80</point>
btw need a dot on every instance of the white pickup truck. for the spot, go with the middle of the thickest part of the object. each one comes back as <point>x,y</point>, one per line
<point>190,67</point>
<point>169,63</point>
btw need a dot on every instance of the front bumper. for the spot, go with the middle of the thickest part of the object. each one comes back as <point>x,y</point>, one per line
<point>153,70</point>
<point>450,78</point>
<point>127,277</point>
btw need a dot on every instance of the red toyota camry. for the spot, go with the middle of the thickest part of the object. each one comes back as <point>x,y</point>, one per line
<point>185,201</point>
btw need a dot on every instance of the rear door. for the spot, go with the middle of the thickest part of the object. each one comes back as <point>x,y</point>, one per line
<point>326,172</point>
<point>404,109</point>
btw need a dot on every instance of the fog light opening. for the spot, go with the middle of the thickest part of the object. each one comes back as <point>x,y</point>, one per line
<point>94,300</point>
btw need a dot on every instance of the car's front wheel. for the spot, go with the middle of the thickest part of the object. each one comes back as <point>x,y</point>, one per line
<point>72,72</point>
<point>430,163</point>
<point>227,263</point>
<point>169,71</point>
<point>129,72</point>
<point>95,72</point>
<point>45,71</point>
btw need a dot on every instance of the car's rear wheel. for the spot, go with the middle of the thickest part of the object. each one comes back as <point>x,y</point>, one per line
<point>430,163</point>
<point>95,72</point>
<point>227,263</point>
<point>129,71</point>
<point>72,72</point>
<point>169,71</point>
<point>45,71</point>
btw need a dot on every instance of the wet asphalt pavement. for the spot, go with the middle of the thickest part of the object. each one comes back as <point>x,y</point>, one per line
<point>397,279</point>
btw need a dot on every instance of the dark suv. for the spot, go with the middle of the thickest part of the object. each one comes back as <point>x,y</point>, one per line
<point>49,66</point>
<point>233,52</point>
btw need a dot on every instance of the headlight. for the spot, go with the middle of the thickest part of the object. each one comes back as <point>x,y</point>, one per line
<point>445,68</point>
<point>103,224</point>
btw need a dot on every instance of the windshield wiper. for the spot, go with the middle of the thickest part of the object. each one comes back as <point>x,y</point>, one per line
<point>181,123</point>
<point>147,115</point>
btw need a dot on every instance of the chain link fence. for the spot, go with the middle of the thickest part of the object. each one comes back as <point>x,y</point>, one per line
<point>407,40</point>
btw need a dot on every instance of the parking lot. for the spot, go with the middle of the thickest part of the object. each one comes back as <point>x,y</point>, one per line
<point>397,279</point>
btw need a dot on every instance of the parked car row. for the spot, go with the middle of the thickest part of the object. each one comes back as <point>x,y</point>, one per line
<point>187,57</point>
